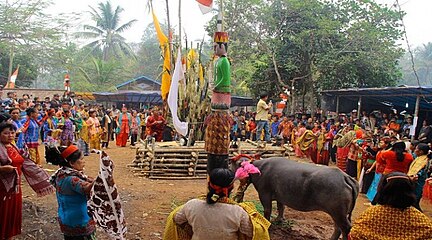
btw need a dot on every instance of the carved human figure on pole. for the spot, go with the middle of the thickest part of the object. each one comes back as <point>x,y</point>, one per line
<point>218,122</point>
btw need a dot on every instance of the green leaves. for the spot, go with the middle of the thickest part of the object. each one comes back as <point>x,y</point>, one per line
<point>347,43</point>
<point>106,32</point>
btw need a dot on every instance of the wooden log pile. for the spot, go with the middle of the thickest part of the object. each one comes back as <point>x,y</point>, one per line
<point>179,162</point>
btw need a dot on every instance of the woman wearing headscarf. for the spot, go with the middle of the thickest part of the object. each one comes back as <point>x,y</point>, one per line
<point>13,163</point>
<point>394,217</point>
<point>72,190</point>
<point>418,171</point>
<point>216,216</point>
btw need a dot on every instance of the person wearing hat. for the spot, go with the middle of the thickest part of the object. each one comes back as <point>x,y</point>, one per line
<point>72,190</point>
<point>218,122</point>
<point>217,216</point>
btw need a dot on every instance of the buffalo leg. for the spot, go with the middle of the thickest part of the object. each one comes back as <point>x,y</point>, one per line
<point>266,201</point>
<point>342,225</point>
<point>280,208</point>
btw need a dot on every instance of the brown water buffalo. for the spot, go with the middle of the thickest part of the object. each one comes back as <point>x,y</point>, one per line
<point>305,187</point>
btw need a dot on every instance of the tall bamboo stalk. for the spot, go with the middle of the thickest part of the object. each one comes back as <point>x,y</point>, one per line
<point>180,23</point>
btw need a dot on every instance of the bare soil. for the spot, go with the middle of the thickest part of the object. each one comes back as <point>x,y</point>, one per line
<point>147,203</point>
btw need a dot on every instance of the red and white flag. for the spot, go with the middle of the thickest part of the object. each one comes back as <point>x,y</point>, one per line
<point>206,6</point>
<point>13,79</point>
<point>67,83</point>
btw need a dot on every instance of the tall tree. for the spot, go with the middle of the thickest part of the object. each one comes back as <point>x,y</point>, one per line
<point>106,31</point>
<point>26,30</point>
<point>310,45</point>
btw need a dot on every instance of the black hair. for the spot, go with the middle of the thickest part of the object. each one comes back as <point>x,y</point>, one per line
<point>53,156</point>
<point>4,117</point>
<point>399,148</point>
<point>423,147</point>
<point>414,143</point>
<point>221,177</point>
<point>13,109</point>
<point>5,125</point>
<point>396,190</point>
<point>31,110</point>
<point>263,95</point>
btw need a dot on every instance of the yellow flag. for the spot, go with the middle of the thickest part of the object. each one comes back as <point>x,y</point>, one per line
<point>164,44</point>
<point>192,58</point>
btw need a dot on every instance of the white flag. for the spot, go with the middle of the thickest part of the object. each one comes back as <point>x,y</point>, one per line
<point>180,127</point>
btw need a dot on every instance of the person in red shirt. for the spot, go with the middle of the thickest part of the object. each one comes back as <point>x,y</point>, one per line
<point>285,129</point>
<point>397,159</point>
<point>252,129</point>
<point>156,124</point>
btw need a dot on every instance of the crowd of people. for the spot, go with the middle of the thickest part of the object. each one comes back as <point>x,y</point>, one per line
<point>70,119</point>
<point>373,148</point>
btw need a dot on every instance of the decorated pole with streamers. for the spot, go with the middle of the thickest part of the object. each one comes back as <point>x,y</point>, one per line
<point>218,122</point>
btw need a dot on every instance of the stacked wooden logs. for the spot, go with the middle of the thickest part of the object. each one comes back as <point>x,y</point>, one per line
<point>186,162</point>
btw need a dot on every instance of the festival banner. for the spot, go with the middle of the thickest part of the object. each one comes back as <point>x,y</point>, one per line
<point>164,44</point>
<point>13,78</point>
<point>180,127</point>
<point>205,6</point>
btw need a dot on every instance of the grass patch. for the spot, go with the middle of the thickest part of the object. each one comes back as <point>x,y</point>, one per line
<point>286,223</point>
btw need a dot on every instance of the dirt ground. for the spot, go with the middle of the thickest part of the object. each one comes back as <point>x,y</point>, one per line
<point>147,203</point>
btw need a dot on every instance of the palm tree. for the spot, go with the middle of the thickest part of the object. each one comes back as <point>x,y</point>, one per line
<point>106,33</point>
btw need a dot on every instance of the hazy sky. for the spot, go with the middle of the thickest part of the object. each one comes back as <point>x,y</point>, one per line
<point>417,19</point>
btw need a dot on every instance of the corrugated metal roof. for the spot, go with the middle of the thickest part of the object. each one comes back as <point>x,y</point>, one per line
<point>390,96</point>
<point>140,78</point>
<point>385,91</point>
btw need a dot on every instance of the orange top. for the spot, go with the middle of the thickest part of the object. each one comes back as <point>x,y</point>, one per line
<point>392,164</point>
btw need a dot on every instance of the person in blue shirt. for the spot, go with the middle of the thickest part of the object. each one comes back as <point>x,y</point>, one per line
<point>274,126</point>
<point>72,190</point>
<point>18,123</point>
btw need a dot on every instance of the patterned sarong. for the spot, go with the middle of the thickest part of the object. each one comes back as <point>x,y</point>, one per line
<point>104,203</point>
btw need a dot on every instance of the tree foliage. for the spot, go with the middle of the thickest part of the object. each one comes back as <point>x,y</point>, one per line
<point>106,31</point>
<point>29,37</point>
<point>422,57</point>
<point>312,45</point>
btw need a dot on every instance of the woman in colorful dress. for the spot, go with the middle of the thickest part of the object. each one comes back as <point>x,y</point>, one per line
<point>67,135</point>
<point>394,217</point>
<point>134,127</point>
<point>49,125</point>
<point>418,171</point>
<point>31,132</point>
<point>301,129</point>
<point>378,166</point>
<point>123,127</point>
<point>12,165</point>
<point>72,190</point>
<point>94,130</point>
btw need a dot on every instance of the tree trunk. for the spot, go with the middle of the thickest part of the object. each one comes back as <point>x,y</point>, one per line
<point>11,59</point>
